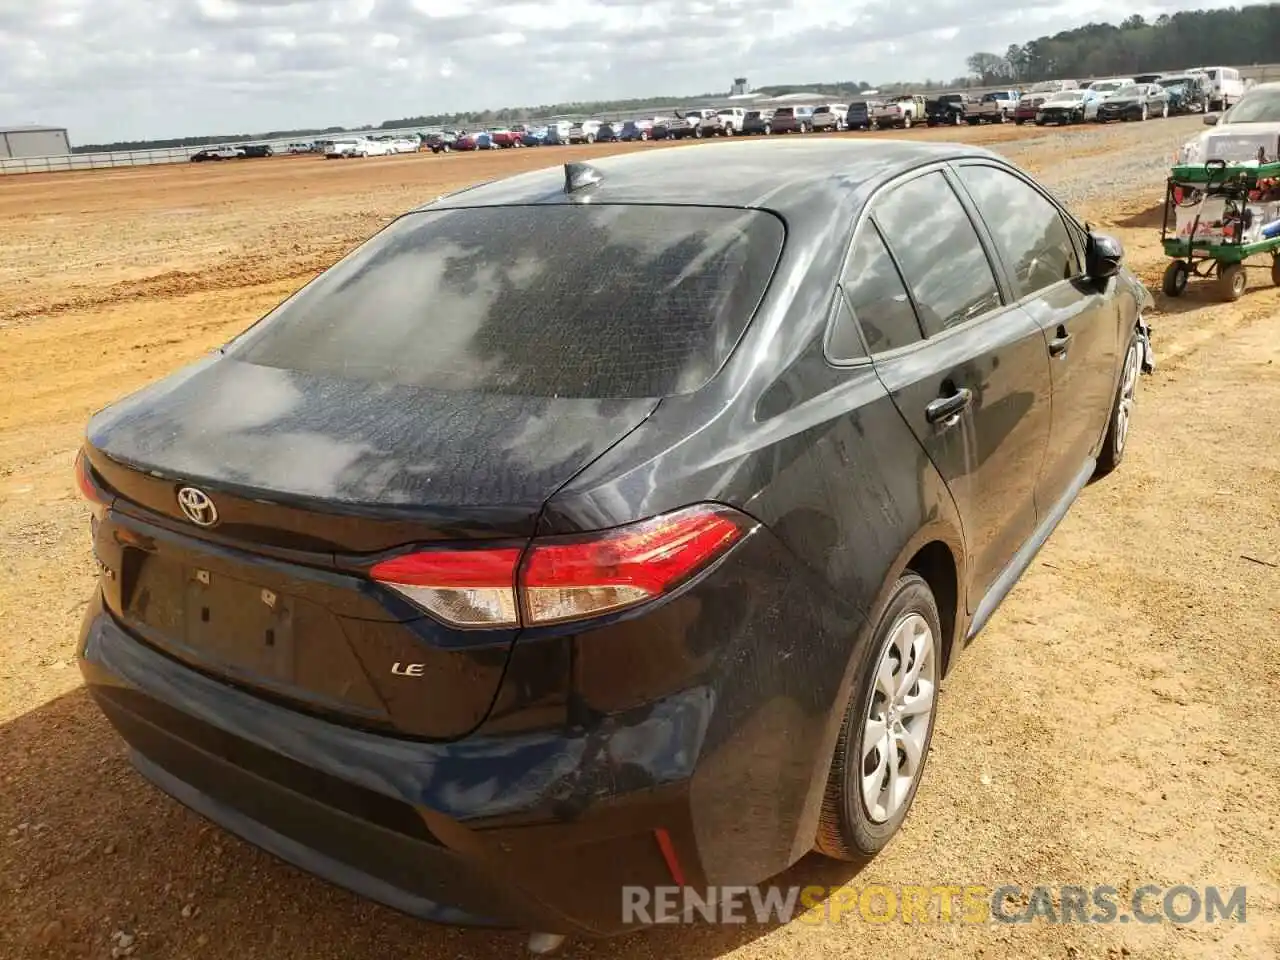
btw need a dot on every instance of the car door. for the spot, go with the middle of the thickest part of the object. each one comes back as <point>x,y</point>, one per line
<point>1079,318</point>
<point>974,388</point>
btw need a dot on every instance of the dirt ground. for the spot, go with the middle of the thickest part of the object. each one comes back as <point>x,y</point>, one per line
<point>1115,724</point>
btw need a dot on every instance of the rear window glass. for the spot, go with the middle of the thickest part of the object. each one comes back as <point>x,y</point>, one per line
<point>784,112</point>
<point>554,300</point>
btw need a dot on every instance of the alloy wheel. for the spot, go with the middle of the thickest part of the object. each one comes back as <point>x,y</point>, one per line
<point>1128,391</point>
<point>899,718</point>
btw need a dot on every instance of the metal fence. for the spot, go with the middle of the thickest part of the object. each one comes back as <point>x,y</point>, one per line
<point>1263,73</point>
<point>140,158</point>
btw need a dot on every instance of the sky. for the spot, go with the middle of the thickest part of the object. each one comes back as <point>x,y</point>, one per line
<point>113,70</point>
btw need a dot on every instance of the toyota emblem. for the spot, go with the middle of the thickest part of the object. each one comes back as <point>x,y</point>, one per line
<point>197,507</point>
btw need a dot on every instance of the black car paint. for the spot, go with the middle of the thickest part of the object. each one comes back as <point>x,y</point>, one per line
<point>599,733</point>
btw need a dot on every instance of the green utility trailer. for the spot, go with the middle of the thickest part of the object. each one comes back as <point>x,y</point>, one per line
<point>1239,206</point>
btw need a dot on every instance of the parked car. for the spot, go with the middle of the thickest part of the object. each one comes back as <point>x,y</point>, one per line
<point>489,629</point>
<point>534,137</point>
<point>1005,101</point>
<point>793,119</point>
<point>829,117</point>
<point>297,148</point>
<point>506,137</point>
<point>1105,88</point>
<point>1029,107</point>
<point>1225,86</point>
<point>584,131</point>
<point>950,109</point>
<point>861,114</point>
<point>256,150</point>
<point>217,153</point>
<point>757,121</point>
<point>1188,92</point>
<point>346,148</point>
<point>1069,106</point>
<point>689,123</point>
<point>1238,134</point>
<point>558,132</point>
<point>901,112</point>
<point>610,131</point>
<point>724,122</point>
<point>443,142</point>
<point>636,130</point>
<point>1138,101</point>
<point>482,140</point>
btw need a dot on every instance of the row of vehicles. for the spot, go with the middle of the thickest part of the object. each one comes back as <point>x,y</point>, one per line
<point>349,147</point>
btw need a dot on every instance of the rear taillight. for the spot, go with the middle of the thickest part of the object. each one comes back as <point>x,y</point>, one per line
<point>564,578</point>
<point>97,498</point>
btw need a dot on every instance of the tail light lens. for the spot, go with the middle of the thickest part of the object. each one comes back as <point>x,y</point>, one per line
<point>564,578</point>
<point>97,498</point>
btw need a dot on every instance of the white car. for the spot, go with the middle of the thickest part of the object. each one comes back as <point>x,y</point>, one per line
<point>355,147</point>
<point>1105,88</point>
<point>830,116</point>
<point>584,132</point>
<point>1237,134</point>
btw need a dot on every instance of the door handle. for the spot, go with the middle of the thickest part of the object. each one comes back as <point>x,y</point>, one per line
<point>946,410</point>
<point>1058,345</point>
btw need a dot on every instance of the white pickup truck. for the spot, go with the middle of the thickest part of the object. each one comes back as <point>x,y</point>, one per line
<point>901,111</point>
<point>725,122</point>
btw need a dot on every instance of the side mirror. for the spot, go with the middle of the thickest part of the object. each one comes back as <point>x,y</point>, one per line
<point>1103,256</point>
<point>1211,119</point>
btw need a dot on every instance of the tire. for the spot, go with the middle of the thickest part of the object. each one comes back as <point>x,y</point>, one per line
<point>591,138</point>
<point>1116,441</point>
<point>1146,114</point>
<point>1176,274</point>
<point>850,827</point>
<point>768,131</point>
<point>906,122</point>
<point>974,121</point>
<point>1233,279</point>
<point>697,132</point>
<point>1164,111</point>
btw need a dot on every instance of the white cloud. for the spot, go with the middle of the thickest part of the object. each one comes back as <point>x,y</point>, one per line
<point>133,69</point>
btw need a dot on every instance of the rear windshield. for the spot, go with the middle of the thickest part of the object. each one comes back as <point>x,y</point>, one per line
<point>554,300</point>
<point>784,112</point>
<point>824,108</point>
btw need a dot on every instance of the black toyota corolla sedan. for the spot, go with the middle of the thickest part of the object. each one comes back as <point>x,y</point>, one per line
<point>608,525</point>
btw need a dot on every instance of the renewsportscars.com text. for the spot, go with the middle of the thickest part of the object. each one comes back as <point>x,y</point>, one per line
<point>938,903</point>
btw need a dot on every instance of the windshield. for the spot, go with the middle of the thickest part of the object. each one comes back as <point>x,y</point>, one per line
<point>1175,82</point>
<point>1133,90</point>
<point>1067,96</point>
<point>1256,106</point>
<point>628,301</point>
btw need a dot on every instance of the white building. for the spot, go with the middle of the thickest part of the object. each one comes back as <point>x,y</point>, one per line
<point>33,141</point>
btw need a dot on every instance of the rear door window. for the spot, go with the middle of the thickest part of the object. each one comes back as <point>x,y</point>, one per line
<point>555,300</point>
<point>1027,228</point>
<point>938,250</point>
<point>878,298</point>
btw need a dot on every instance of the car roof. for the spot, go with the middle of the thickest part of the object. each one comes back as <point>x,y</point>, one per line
<point>786,175</point>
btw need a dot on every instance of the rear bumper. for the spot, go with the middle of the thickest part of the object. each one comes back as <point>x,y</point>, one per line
<point>421,827</point>
<point>694,723</point>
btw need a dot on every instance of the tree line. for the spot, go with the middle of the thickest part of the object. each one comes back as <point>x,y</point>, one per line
<point>1186,39</point>
<point>1189,38</point>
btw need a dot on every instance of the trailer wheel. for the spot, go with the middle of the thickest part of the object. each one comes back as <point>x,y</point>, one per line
<point>1175,278</point>
<point>1232,280</point>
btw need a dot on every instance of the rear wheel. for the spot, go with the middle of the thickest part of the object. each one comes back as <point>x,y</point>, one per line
<point>1232,280</point>
<point>884,740</point>
<point>1113,446</point>
<point>906,122</point>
